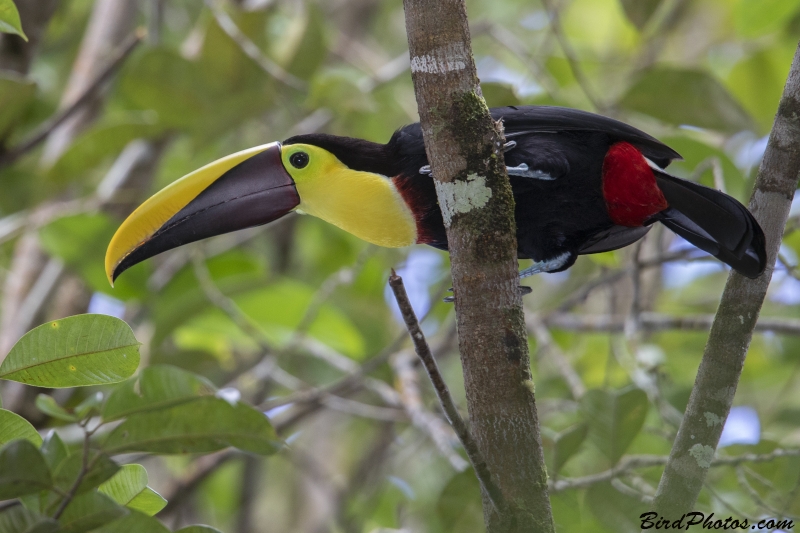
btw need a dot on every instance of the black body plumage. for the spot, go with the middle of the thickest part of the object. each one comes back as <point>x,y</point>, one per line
<point>567,214</point>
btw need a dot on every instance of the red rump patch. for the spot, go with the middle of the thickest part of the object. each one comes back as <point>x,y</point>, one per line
<point>629,186</point>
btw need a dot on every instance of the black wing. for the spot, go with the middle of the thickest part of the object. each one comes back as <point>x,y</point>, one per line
<point>521,120</point>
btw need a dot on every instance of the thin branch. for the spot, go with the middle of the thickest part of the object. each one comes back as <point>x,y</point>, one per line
<point>448,405</point>
<point>632,462</point>
<point>85,466</point>
<point>546,344</point>
<point>572,58</point>
<point>251,50</point>
<point>41,133</point>
<point>411,397</point>
<point>736,318</point>
<point>654,322</point>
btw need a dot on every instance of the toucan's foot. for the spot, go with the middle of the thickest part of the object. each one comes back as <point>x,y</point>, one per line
<point>523,171</point>
<point>450,299</point>
<point>548,265</point>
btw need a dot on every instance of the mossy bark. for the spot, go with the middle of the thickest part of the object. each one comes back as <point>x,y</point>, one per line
<point>732,330</point>
<point>464,147</point>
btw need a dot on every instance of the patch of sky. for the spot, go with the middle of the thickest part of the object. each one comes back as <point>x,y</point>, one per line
<point>492,70</point>
<point>677,274</point>
<point>421,270</point>
<point>742,427</point>
<point>103,304</point>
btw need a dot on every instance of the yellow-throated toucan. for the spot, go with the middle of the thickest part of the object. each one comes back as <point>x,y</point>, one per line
<point>582,184</point>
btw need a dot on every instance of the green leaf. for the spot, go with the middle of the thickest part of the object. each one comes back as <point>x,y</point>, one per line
<point>101,468</point>
<point>134,522</point>
<point>16,95</point>
<point>148,502</point>
<point>203,425</point>
<point>23,470</point>
<point>618,512</point>
<point>54,450</point>
<point>160,386</point>
<point>199,529</point>
<point>97,144</point>
<point>754,18</point>
<point>74,352</point>
<point>81,241</point>
<point>164,82</point>
<point>129,487</point>
<point>567,443</point>
<point>13,427</point>
<point>89,511</point>
<point>47,404</point>
<point>9,19</point>
<point>615,418</point>
<point>90,405</point>
<point>639,12</point>
<point>18,519</point>
<point>304,48</point>
<point>690,97</point>
<point>459,507</point>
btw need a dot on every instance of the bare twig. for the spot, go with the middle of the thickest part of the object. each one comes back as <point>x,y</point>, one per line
<point>736,318</point>
<point>251,50</point>
<point>411,397</point>
<point>443,393</point>
<point>569,53</point>
<point>654,322</point>
<point>546,344</point>
<point>632,462</point>
<point>41,133</point>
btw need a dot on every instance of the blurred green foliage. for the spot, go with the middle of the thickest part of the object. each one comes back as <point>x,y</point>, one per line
<point>704,76</point>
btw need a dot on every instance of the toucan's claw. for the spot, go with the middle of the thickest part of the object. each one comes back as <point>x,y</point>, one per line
<point>548,265</point>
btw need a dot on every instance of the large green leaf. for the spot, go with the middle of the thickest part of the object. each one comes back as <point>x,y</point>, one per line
<point>101,468</point>
<point>567,443</point>
<point>74,352</point>
<point>13,427</point>
<point>615,418</point>
<point>690,97</point>
<point>16,95</point>
<point>54,450</point>
<point>129,487</point>
<point>97,144</point>
<point>48,405</point>
<point>9,19</point>
<point>23,470</point>
<point>164,82</point>
<point>640,11</point>
<point>80,241</point>
<point>89,511</point>
<point>618,512</point>
<point>160,386</point>
<point>203,425</point>
<point>459,507</point>
<point>754,18</point>
<point>18,519</point>
<point>133,522</point>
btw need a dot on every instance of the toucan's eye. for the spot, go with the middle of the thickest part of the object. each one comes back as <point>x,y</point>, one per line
<point>299,159</point>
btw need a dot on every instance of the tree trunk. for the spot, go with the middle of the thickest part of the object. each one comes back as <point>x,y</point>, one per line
<point>721,367</point>
<point>464,147</point>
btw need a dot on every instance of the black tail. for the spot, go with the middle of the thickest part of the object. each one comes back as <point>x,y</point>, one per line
<point>714,222</point>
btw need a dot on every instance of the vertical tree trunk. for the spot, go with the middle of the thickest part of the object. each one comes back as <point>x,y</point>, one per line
<point>721,367</point>
<point>464,147</point>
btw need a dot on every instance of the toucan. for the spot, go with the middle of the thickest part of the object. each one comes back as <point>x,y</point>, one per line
<point>582,183</point>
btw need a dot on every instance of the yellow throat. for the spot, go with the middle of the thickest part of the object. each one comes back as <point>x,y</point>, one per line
<point>362,203</point>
